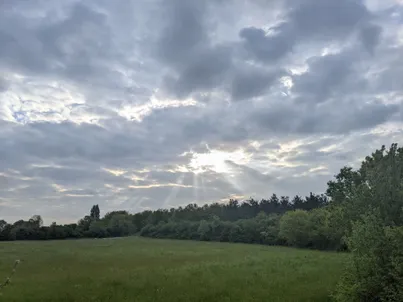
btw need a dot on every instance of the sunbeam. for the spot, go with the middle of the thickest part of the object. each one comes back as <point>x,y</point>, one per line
<point>174,190</point>
<point>196,187</point>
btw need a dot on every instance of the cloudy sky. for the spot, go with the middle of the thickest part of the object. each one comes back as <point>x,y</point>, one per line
<point>150,104</point>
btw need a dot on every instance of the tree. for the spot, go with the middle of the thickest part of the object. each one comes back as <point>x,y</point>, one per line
<point>297,202</point>
<point>36,221</point>
<point>120,225</point>
<point>109,215</point>
<point>371,200</point>
<point>375,271</point>
<point>341,189</point>
<point>5,231</point>
<point>84,223</point>
<point>95,213</point>
<point>97,229</point>
<point>294,228</point>
<point>204,230</point>
<point>377,184</point>
<point>3,225</point>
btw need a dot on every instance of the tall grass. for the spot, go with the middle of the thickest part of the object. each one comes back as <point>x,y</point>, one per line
<point>138,269</point>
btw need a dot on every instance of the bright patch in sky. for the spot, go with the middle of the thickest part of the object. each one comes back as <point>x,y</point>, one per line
<point>216,160</point>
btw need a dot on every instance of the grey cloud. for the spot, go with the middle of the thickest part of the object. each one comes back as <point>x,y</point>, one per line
<point>79,46</point>
<point>185,46</point>
<point>184,31</point>
<point>251,82</point>
<point>388,80</point>
<point>306,21</point>
<point>3,85</point>
<point>118,143</point>
<point>327,75</point>
<point>327,19</point>
<point>334,117</point>
<point>251,173</point>
<point>266,48</point>
<point>194,125</point>
<point>43,51</point>
<point>370,36</point>
<point>73,176</point>
<point>188,48</point>
<point>47,141</point>
<point>205,71</point>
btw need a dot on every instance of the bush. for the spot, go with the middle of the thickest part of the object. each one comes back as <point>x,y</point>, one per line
<point>375,272</point>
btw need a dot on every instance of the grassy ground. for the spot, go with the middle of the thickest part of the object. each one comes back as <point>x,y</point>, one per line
<point>137,269</point>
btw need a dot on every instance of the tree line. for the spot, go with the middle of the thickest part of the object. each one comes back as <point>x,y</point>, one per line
<point>361,212</point>
<point>156,223</point>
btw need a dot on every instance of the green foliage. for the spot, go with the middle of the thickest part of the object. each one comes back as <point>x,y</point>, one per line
<point>234,221</point>
<point>375,239</point>
<point>84,223</point>
<point>341,189</point>
<point>97,230</point>
<point>262,229</point>
<point>269,226</point>
<point>319,231</point>
<point>204,230</point>
<point>120,224</point>
<point>95,212</point>
<point>294,228</point>
<point>375,272</point>
<point>377,184</point>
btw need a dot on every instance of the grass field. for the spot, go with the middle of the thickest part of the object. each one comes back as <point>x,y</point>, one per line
<point>137,269</point>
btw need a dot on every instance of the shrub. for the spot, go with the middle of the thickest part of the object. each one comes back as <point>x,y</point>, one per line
<point>375,272</point>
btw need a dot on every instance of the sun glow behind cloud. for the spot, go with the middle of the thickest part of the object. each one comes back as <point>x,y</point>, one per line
<point>216,160</point>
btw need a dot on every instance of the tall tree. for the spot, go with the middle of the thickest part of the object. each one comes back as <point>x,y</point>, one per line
<point>95,213</point>
<point>36,221</point>
<point>377,184</point>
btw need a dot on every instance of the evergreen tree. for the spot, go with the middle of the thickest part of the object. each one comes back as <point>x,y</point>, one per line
<point>95,213</point>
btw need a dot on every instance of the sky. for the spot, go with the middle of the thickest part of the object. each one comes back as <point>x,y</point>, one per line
<point>148,104</point>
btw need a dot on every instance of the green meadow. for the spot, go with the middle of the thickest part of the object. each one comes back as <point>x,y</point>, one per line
<point>139,269</point>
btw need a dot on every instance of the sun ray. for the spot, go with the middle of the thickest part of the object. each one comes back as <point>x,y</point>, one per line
<point>196,187</point>
<point>174,190</point>
<point>203,186</point>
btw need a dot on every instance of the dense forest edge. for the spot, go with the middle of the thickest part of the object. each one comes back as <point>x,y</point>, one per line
<point>361,212</point>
